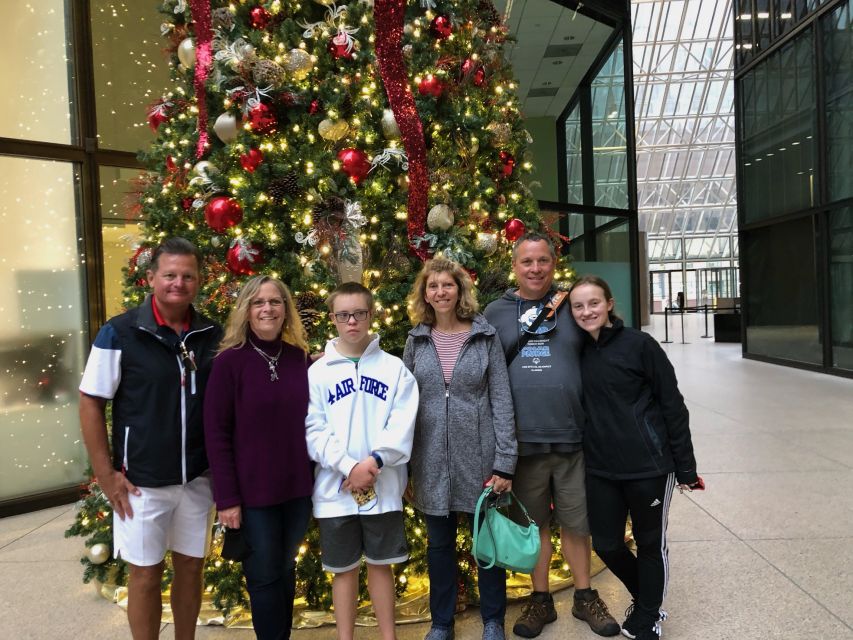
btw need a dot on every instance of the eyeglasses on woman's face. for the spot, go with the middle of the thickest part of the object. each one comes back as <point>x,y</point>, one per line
<point>343,317</point>
<point>260,303</point>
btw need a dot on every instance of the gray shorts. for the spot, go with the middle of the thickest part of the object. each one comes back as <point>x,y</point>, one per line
<point>558,479</point>
<point>381,538</point>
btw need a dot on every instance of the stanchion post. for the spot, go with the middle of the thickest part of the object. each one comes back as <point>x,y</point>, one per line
<point>706,322</point>
<point>681,312</point>
<point>666,339</point>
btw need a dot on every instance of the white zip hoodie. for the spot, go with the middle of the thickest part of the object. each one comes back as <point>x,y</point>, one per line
<point>355,409</point>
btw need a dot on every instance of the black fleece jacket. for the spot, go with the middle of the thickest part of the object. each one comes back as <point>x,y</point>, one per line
<point>637,424</point>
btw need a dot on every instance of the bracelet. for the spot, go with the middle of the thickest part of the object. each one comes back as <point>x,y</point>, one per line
<point>378,459</point>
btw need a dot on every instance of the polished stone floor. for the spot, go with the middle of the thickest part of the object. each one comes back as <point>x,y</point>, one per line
<point>766,552</point>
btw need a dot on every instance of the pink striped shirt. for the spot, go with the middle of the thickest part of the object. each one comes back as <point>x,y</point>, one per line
<point>448,346</point>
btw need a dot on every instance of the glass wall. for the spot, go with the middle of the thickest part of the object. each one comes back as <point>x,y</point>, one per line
<point>837,31</point>
<point>796,123</point>
<point>841,286</point>
<point>778,129</point>
<point>35,103</point>
<point>574,157</point>
<point>43,331</point>
<point>120,231</point>
<point>610,154</point>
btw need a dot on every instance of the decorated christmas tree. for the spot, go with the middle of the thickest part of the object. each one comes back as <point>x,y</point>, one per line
<point>322,143</point>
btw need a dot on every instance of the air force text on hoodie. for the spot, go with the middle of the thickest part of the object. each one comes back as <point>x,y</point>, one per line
<point>356,409</point>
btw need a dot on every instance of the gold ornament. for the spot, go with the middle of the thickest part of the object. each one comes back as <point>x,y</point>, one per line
<point>440,218</point>
<point>501,133</point>
<point>308,269</point>
<point>186,52</point>
<point>390,128</point>
<point>298,64</point>
<point>98,553</point>
<point>333,129</point>
<point>403,181</point>
<point>486,242</point>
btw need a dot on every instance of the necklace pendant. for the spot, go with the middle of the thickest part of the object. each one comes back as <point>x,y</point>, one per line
<point>273,372</point>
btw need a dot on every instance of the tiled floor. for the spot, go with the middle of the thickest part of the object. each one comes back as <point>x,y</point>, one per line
<point>766,552</point>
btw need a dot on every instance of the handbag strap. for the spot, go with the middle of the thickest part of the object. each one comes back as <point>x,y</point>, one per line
<point>548,310</point>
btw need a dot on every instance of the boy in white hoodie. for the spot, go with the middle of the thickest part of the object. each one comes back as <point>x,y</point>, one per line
<point>360,424</point>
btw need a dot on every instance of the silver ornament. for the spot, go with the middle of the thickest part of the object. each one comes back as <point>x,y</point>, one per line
<point>216,241</point>
<point>205,169</point>
<point>186,52</point>
<point>390,128</point>
<point>440,218</point>
<point>225,128</point>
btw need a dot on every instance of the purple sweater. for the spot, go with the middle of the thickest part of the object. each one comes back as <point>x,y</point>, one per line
<point>254,428</point>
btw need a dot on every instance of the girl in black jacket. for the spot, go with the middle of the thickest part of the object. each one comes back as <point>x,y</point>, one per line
<point>637,446</point>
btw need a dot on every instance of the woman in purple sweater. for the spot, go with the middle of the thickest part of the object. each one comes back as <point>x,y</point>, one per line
<point>254,425</point>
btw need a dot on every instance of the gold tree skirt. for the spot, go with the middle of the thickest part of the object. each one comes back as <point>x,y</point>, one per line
<point>411,607</point>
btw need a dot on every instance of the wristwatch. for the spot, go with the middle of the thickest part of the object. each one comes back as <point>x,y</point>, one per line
<point>378,459</point>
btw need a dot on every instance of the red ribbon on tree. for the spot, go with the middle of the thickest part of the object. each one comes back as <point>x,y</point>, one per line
<point>203,58</point>
<point>389,16</point>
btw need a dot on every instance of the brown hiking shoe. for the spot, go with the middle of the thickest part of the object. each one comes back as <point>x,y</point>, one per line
<point>535,614</point>
<point>596,615</point>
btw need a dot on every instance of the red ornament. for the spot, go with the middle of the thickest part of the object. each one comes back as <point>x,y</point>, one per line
<point>479,77</point>
<point>341,46</point>
<point>186,203</point>
<point>222,213</point>
<point>507,163</point>
<point>441,27</point>
<point>170,163</point>
<point>354,163</point>
<point>261,119</point>
<point>158,114</point>
<point>514,229</point>
<point>468,66</point>
<point>315,106</point>
<point>251,160</point>
<point>431,86</point>
<point>259,17</point>
<point>243,257</point>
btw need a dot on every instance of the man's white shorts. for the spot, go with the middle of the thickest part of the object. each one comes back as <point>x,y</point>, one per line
<point>177,517</point>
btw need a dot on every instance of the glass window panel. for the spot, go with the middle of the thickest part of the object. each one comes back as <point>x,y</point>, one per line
<point>131,70</point>
<point>837,28</point>
<point>36,72</point>
<point>781,299</point>
<point>610,158</point>
<point>672,19</point>
<point>120,231</point>
<point>43,332</point>
<point>778,132</point>
<point>841,286</point>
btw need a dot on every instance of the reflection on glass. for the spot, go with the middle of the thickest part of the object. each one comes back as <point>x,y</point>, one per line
<point>610,157</point>
<point>841,286</point>
<point>574,161</point>
<point>120,216</point>
<point>131,70</point>
<point>36,72</point>
<point>781,301</point>
<point>43,333</point>
<point>837,30</point>
<point>778,133</point>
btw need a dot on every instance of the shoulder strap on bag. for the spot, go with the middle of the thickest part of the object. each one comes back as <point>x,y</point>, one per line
<point>476,527</point>
<point>548,311</point>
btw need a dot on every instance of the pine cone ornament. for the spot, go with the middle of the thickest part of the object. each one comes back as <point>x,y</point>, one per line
<point>285,186</point>
<point>488,12</point>
<point>222,19</point>
<point>267,72</point>
<point>307,304</point>
<point>331,207</point>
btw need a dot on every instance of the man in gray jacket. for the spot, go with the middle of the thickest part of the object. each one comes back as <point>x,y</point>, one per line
<point>544,373</point>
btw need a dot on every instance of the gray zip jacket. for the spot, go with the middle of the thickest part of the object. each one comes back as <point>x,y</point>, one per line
<point>465,433</point>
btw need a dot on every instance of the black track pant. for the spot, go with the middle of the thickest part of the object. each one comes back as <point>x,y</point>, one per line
<point>609,502</point>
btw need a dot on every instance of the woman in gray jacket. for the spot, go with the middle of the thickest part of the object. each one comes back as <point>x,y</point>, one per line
<point>464,434</point>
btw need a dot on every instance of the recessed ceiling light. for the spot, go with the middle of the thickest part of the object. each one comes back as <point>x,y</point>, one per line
<point>557,62</point>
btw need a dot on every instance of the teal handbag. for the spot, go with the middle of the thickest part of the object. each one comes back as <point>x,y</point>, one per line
<point>499,541</point>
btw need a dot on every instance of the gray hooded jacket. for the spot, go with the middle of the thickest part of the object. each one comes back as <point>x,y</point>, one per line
<point>463,434</point>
